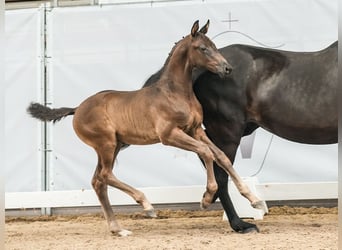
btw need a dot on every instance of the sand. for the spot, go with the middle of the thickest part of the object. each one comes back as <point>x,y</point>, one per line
<point>283,228</point>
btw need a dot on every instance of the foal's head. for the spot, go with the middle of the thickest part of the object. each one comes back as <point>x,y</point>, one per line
<point>203,52</point>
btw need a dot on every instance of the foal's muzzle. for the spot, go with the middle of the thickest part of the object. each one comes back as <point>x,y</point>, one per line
<point>224,69</point>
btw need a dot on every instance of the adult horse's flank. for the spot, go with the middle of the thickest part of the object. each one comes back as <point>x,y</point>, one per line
<point>290,94</point>
<point>166,111</point>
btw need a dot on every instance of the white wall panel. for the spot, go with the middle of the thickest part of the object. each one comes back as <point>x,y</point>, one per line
<point>22,79</point>
<point>287,161</point>
<point>119,47</point>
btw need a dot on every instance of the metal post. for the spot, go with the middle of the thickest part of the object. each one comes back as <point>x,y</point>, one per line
<point>94,2</point>
<point>55,3</point>
<point>46,100</point>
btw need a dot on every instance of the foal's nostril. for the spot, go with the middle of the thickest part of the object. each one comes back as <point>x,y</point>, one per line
<point>229,70</point>
<point>224,69</point>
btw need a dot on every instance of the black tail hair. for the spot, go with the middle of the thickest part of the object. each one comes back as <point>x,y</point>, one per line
<point>47,114</point>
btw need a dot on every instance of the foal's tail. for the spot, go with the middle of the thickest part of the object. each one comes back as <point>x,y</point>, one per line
<point>47,114</point>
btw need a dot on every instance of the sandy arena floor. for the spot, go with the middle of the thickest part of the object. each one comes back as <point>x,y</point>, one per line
<point>283,228</point>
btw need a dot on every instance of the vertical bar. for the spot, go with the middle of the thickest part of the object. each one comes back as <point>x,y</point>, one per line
<point>42,87</point>
<point>2,125</point>
<point>45,99</point>
<point>55,3</point>
<point>48,101</point>
<point>94,2</point>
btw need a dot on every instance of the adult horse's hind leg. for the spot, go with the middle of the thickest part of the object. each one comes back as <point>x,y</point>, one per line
<point>237,224</point>
<point>104,176</point>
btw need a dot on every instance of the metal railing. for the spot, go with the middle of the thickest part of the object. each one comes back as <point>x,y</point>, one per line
<point>25,4</point>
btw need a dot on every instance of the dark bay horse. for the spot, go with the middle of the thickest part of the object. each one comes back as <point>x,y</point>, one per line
<point>166,111</point>
<point>290,94</point>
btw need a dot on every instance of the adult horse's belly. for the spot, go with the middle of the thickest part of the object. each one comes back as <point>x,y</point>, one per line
<point>302,134</point>
<point>303,111</point>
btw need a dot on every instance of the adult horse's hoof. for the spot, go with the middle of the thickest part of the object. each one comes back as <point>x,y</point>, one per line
<point>248,230</point>
<point>151,213</point>
<point>243,227</point>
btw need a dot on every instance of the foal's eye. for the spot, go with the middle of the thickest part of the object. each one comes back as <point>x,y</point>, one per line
<point>203,48</point>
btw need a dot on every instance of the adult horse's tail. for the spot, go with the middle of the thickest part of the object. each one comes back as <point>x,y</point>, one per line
<point>47,114</point>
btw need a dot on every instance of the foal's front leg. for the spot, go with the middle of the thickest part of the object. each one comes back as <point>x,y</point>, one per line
<point>223,161</point>
<point>177,138</point>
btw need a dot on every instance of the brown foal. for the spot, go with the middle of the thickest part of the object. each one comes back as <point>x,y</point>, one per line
<point>166,112</point>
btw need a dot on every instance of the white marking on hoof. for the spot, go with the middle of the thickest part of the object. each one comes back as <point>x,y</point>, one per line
<point>202,206</point>
<point>260,205</point>
<point>124,233</point>
<point>151,213</point>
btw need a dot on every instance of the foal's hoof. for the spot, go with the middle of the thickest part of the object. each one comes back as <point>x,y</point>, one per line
<point>151,213</point>
<point>204,204</point>
<point>122,233</point>
<point>260,205</point>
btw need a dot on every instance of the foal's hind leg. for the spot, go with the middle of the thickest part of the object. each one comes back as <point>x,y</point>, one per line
<point>104,174</point>
<point>101,191</point>
<point>100,188</point>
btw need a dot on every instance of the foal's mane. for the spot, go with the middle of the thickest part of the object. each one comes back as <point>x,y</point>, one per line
<point>156,76</point>
<point>172,50</point>
<point>176,45</point>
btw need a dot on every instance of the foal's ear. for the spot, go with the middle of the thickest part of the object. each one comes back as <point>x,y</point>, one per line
<point>194,28</point>
<point>205,28</point>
